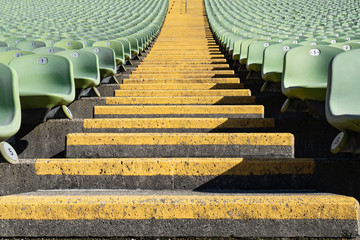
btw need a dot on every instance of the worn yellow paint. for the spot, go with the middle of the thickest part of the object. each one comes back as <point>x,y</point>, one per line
<point>174,167</point>
<point>180,67</point>
<point>181,75</point>
<point>180,109</point>
<point>192,86</point>
<point>251,139</point>
<point>180,100</point>
<point>182,123</point>
<point>180,80</point>
<point>190,71</point>
<point>182,93</point>
<point>189,61</point>
<point>197,206</point>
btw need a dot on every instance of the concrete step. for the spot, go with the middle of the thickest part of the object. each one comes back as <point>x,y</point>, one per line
<point>207,74</point>
<point>182,60</point>
<point>175,124</point>
<point>192,86</point>
<point>214,100</point>
<point>182,93</point>
<point>181,80</point>
<point>238,111</point>
<point>254,145</point>
<point>187,72</point>
<point>121,213</point>
<point>181,67</point>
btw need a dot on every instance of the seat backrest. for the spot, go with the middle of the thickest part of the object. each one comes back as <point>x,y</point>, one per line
<point>48,50</point>
<point>69,44</point>
<point>85,65</point>
<point>30,45</point>
<point>7,56</point>
<point>10,111</point>
<point>45,75</point>
<point>106,58</point>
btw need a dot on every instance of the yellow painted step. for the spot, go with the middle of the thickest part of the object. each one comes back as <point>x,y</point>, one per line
<point>180,75</point>
<point>244,139</point>
<point>189,56</point>
<point>181,93</point>
<point>184,67</point>
<point>192,86</point>
<point>182,100</point>
<point>180,51</point>
<point>150,205</point>
<point>181,80</point>
<point>171,71</point>
<point>188,61</point>
<point>174,166</point>
<point>180,123</point>
<point>179,109</point>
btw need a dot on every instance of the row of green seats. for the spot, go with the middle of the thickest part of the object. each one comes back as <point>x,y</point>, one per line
<point>305,52</point>
<point>50,48</point>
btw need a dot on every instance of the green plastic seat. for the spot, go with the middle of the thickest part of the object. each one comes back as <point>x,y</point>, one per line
<point>346,46</point>
<point>30,45</point>
<point>255,54</point>
<point>45,80</point>
<point>127,48</point>
<point>244,50</point>
<point>48,50</point>
<point>6,49</point>
<point>306,72</point>
<point>273,61</point>
<point>69,44</point>
<point>116,46</point>
<point>134,46</point>
<point>107,62</point>
<point>342,100</point>
<point>7,56</point>
<point>10,111</point>
<point>3,44</point>
<point>12,41</point>
<point>85,66</point>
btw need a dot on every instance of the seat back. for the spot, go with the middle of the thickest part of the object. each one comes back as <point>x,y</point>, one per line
<point>107,62</point>
<point>69,44</point>
<point>7,56</point>
<point>45,80</point>
<point>10,111</point>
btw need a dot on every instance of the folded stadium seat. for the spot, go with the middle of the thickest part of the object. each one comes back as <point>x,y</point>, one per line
<point>48,50</point>
<point>134,45</point>
<point>85,69</point>
<point>273,62</point>
<point>45,81</point>
<point>10,111</point>
<point>342,99</point>
<point>6,49</point>
<point>346,46</point>
<point>305,73</point>
<point>107,62</point>
<point>88,43</point>
<point>30,45</point>
<point>141,40</point>
<point>244,50</point>
<point>255,54</point>
<point>7,56</point>
<point>237,48</point>
<point>12,41</point>
<point>118,49</point>
<point>127,49</point>
<point>48,42</point>
<point>69,44</point>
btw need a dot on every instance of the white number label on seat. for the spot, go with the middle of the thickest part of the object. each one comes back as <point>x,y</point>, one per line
<point>126,39</point>
<point>84,42</point>
<point>75,54</point>
<point>286,48</point>
<point>266,44</point>
<point>348,39</point>
<point>295,42</point>
<point>313,43</point>
<point>107,43</point>
<point>17,41</point>
<point>32,43</point>
<point>314,52</point>
<point>51,50</point>
<point>68,43</point>
<point>96,50</point>
<point>346,47</point>
<point>52,42</point>
<point>333,41</point>
<point>17,54</point>
<point>42,60</point>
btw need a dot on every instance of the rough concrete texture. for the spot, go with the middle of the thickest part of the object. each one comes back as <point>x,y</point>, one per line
<point>47,139</point>
<point>180,228</point>
<point>98,151</point>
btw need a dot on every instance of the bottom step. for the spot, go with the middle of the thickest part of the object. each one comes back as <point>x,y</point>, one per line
<point>123,213</point>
